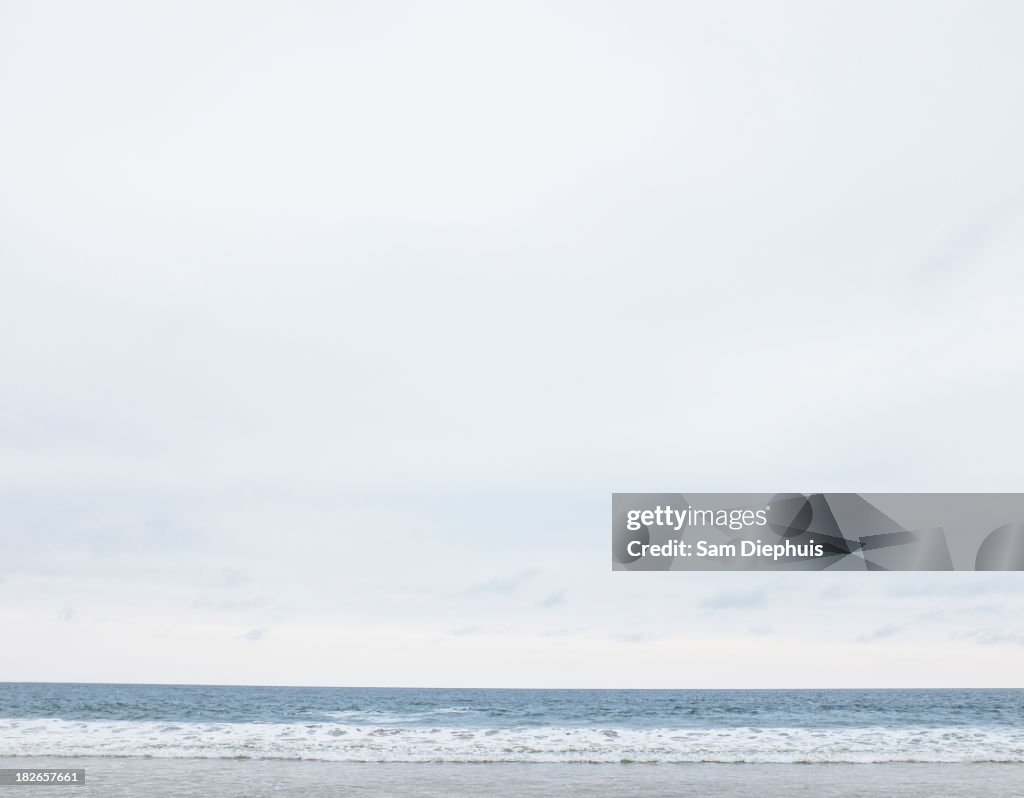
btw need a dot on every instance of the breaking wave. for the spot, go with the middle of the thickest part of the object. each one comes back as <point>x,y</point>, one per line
<point>347,742</point>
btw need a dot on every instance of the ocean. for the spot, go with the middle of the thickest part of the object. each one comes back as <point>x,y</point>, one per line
<point>469,726</point>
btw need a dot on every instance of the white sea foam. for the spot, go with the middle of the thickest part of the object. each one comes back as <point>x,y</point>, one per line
<point>368,743</point>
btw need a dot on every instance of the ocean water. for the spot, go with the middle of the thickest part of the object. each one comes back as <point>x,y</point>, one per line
<point>512,726</point>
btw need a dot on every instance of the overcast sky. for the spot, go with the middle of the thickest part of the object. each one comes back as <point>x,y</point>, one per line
<point>328,328</point>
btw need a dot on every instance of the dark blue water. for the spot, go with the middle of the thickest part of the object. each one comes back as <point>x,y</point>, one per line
<point>458,724</point>
<point>510,708</point>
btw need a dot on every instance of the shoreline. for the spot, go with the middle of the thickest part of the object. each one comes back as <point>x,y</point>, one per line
<point>50,759</point>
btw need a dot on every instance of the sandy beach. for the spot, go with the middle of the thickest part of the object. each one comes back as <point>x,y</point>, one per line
<point>192,778</point>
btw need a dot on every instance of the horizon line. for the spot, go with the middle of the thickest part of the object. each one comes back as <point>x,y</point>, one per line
<point>449,687</point>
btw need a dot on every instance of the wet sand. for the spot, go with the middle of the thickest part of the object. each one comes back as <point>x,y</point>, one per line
<point>201,778</point>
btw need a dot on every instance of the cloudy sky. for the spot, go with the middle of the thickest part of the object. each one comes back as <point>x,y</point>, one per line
<point>328,328</point>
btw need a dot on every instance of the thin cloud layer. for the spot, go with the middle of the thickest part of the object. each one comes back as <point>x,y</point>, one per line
<point>345,321</point>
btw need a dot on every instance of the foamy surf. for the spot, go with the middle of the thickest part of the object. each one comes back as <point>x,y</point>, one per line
<point>340,742</point>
